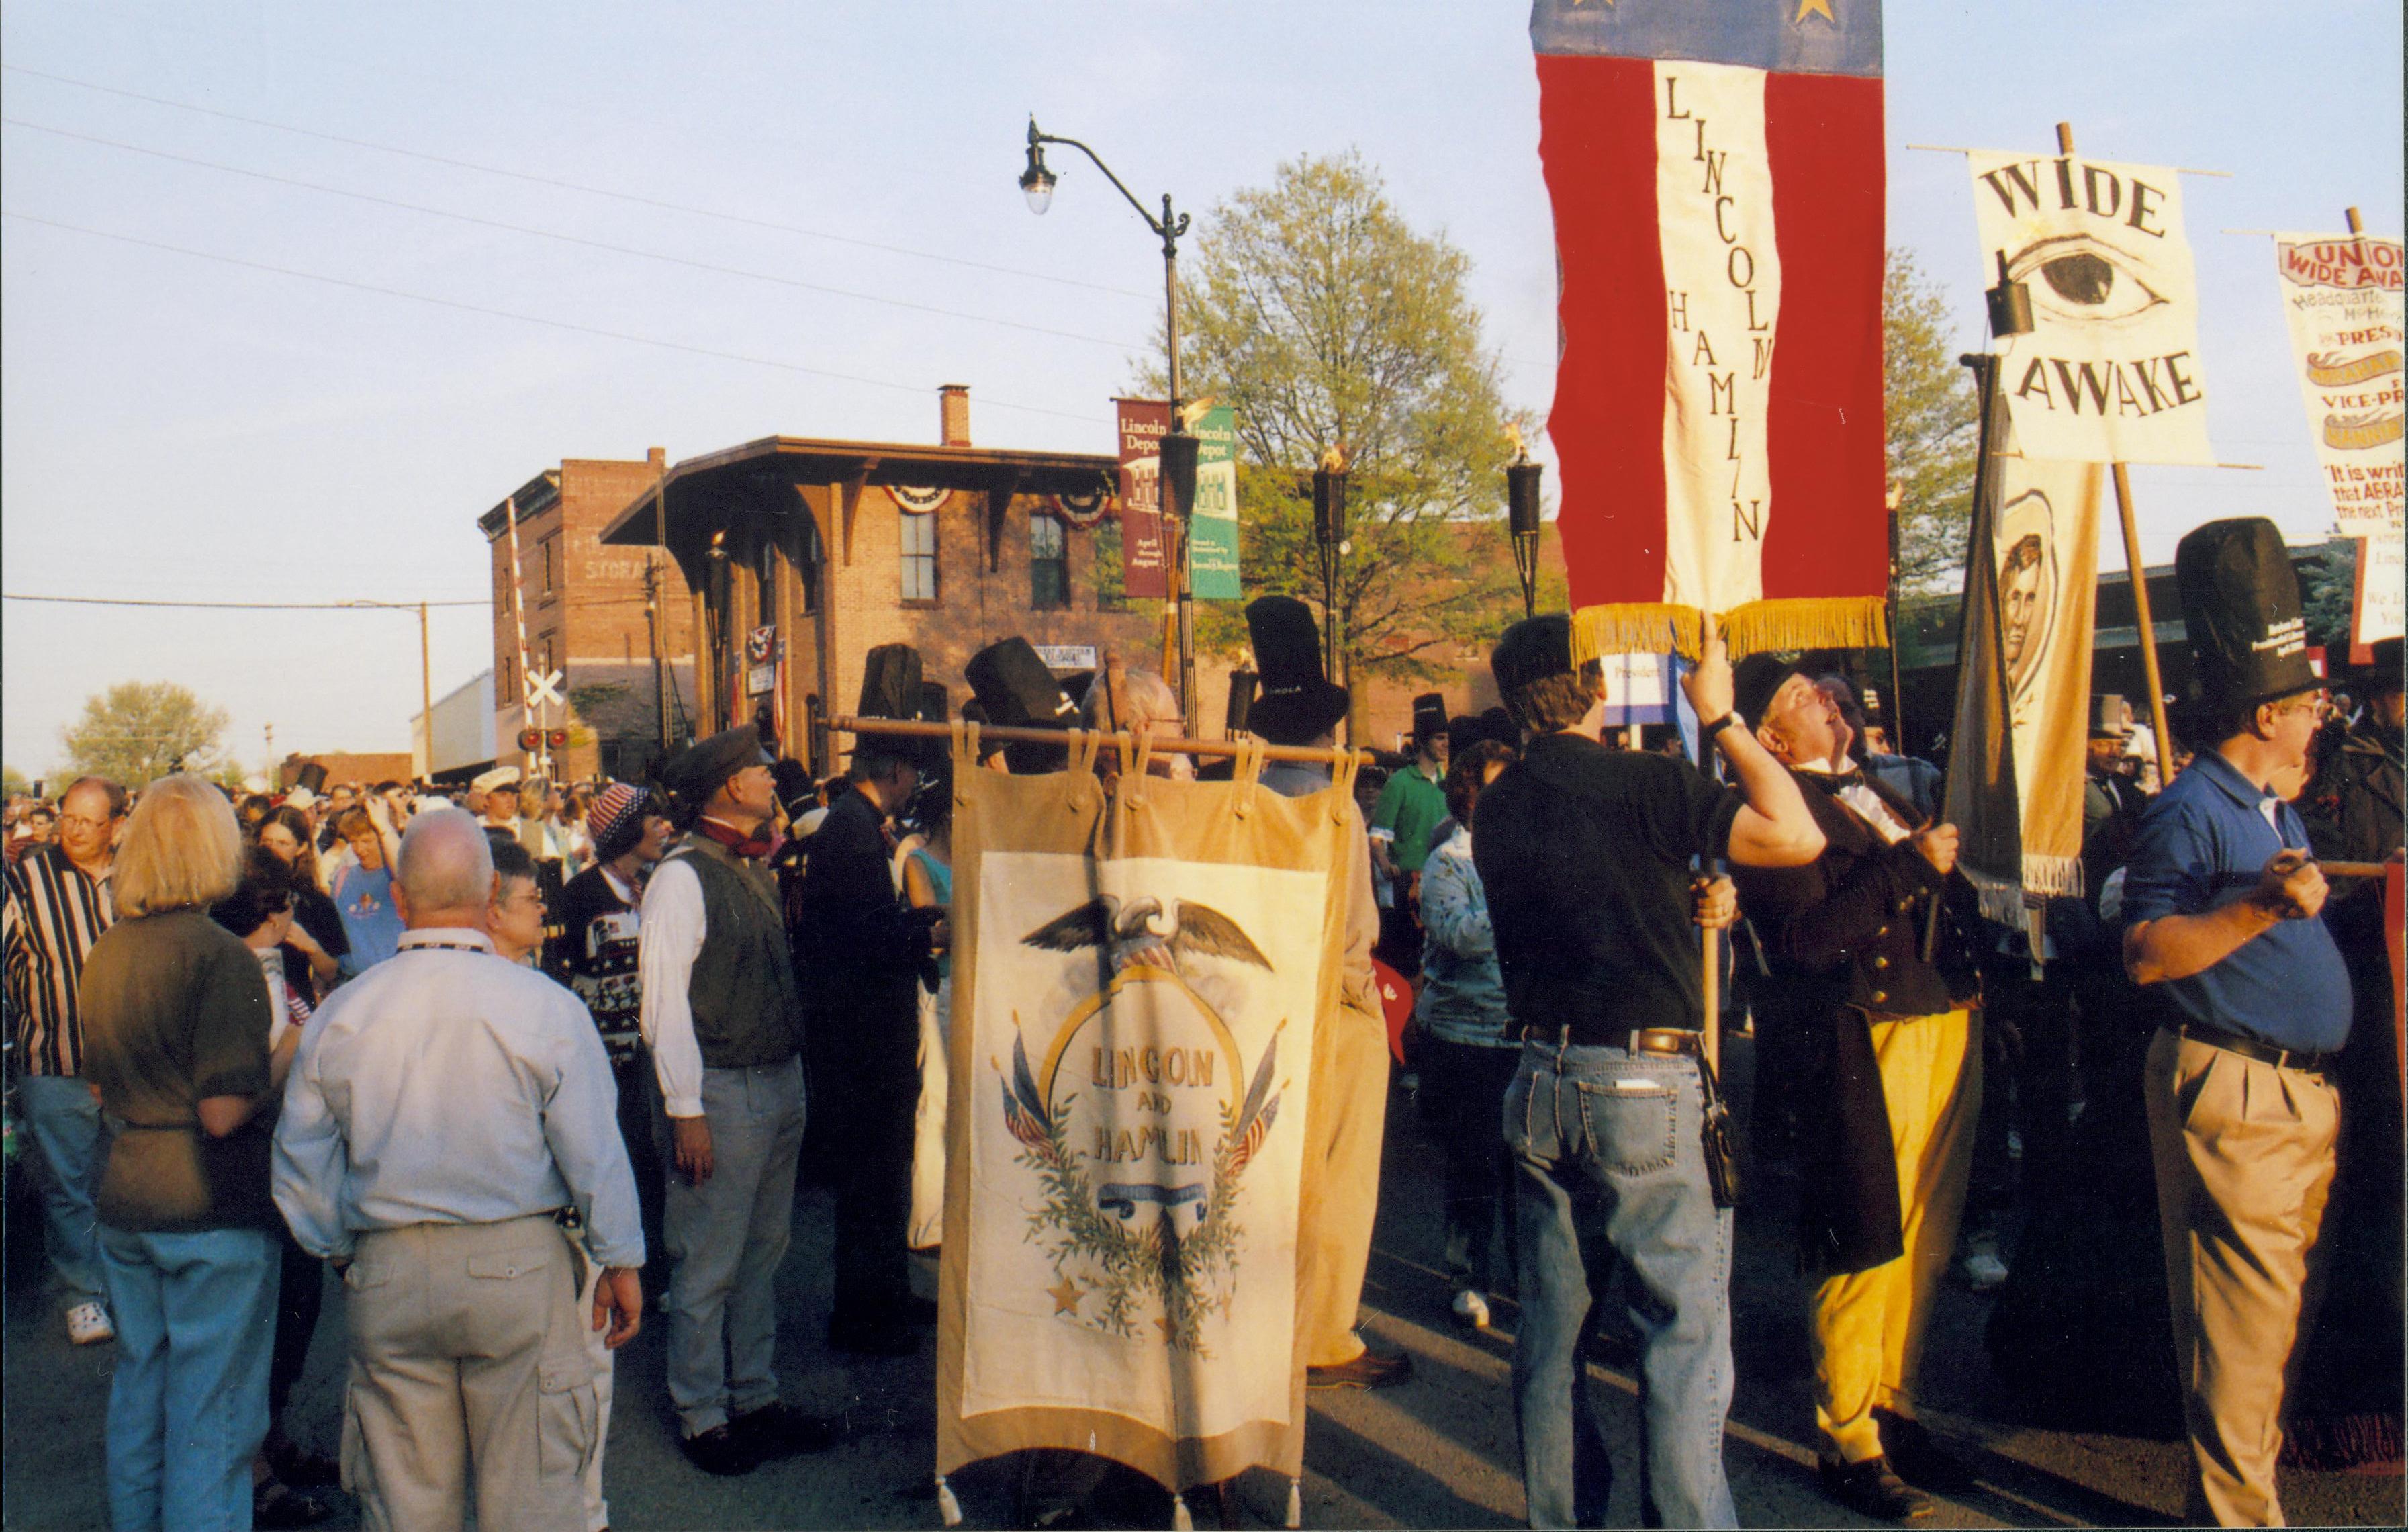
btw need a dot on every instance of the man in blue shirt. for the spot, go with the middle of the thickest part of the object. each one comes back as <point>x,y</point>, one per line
<point>2220,901</point>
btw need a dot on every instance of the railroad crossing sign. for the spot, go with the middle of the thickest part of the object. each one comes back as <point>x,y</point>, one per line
<point>544,687</point>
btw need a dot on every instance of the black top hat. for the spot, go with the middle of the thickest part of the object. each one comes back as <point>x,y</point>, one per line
<point>1018,692</point>
<point>2240,607</point>
<point>1298,702</point>
<point>1532,650</point>
<point>1755,680</point>
<point>2107,716</point>
<point>891,687</point>
<point>2381,673</point>
<point>1429,716</point>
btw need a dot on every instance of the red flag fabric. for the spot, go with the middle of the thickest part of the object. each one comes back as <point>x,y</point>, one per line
<point>1716,176</point>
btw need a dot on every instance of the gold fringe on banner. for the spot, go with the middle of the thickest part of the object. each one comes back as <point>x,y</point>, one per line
<point>2045,878</point>
<point>1654,627</point>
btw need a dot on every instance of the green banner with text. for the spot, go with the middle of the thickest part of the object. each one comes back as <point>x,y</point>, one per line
<point>1212,532</point>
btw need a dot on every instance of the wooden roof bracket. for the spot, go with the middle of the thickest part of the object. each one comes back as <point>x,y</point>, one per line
<point>1000,490</point>
<point>848,495</point>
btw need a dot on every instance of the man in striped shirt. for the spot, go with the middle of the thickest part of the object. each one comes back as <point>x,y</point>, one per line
<point>58,903</point>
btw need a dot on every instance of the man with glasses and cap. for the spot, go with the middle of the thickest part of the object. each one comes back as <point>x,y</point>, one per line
<point>2220,904</point>
<point>722,1016</point>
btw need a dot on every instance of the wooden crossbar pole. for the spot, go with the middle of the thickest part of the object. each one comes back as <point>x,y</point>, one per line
<point>912,730</point>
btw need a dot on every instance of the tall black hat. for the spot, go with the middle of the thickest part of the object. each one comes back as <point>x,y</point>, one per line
<point>891,688</point>
<point>1299,703</point>
<point>1429,715</point>
<point>2240,607</point>
<point>2381,674</point>
<point>1532,650</point>
<point>1018,692</point>
<point>1755,680</point>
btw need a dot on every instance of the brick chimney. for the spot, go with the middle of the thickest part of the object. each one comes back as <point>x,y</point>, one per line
<point>953,402</point>
<point>656,457</point>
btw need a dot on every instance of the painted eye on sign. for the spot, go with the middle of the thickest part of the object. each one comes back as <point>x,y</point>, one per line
<point>919,501</point>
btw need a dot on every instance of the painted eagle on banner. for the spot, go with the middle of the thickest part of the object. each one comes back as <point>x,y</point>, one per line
<point>1137,934</point>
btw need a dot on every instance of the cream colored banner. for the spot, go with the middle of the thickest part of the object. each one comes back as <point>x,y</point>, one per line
<point>2110,371</point>
<point>2342,295</point>
<point>2047,551</point>
<point>1722,272</point>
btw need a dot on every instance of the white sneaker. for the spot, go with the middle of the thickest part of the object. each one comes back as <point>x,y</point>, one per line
<point>1470,1308</point>
<point>88,1324</point>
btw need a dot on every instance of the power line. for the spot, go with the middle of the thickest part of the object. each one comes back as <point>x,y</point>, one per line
<point>564,238</point>
<point>577,186</point>
<point>242,606</point>
<point>990,402</point>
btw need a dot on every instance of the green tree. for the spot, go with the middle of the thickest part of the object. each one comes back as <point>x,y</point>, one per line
<point>1315,311</point>
<point>136,732</point>
<point>1933,427</point>
<point>2330,594</point>
<point>13,782</point>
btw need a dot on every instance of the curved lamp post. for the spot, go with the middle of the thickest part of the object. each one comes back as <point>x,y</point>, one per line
<point>1177,474</point>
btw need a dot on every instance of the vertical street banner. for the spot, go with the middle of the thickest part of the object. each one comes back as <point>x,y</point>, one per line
<point>1135,980</point>
<point>2024,660</point>
<point>1716,176</point>
<point>2342,293</point>
<point>1213,533</point>
<point>1145,567</point>
<point>2109,372</point>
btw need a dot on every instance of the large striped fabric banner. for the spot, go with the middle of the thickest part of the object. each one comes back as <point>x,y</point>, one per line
<point>1717,176</point>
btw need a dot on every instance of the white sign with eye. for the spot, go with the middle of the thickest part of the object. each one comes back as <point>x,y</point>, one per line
<point>2110,371</point>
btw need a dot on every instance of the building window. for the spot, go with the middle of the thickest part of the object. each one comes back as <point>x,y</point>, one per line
<point>765,582</point>
<point>919,560</point>
<point>1049,563</point>
<point>549,546</point>
<point>807,573</point>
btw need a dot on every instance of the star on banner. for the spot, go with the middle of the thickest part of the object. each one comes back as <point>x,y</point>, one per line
<point>1813,7</point>
<point>1065,1297</point>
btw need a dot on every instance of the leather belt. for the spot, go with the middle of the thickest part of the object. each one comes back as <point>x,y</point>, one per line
<point>2250,1048</point>
<point>1645,1039</point>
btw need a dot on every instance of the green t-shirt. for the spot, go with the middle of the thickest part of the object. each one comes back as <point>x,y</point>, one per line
<point>1411,805</point>
<point>175,1011</point>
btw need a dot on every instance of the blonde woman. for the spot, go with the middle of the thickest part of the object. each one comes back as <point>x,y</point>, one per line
<point>177,1025</point>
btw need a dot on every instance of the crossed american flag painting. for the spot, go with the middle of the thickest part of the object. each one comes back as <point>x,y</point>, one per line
<point>1715,171</point>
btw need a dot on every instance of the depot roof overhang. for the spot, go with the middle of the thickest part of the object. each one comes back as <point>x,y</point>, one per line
<point>703,495</point>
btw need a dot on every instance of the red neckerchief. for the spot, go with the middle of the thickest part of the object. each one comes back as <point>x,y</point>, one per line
<point>754,847</point>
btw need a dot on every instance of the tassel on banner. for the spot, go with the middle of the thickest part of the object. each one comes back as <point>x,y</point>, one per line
<point>1179,1520</point>
<point>1657,627</point>
<point>947,1507</point>
<point>1294,1504</point>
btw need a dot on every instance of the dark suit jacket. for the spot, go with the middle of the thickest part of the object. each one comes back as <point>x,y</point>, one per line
<point>1844,940</point>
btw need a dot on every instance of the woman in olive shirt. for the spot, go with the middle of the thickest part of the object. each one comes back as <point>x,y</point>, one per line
<point>177,1025</point>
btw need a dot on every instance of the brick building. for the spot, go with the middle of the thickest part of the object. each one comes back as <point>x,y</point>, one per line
<point>589,613</point>
<point>809,552</point>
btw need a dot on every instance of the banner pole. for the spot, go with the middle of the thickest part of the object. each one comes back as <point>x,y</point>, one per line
<point>2147,626</point>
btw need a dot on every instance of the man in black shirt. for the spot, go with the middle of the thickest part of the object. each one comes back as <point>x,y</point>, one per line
<point>1588,857</point>
<point>863,952</point>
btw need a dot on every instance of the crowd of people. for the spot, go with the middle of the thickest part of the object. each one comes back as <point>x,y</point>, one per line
<point>523,1071</point>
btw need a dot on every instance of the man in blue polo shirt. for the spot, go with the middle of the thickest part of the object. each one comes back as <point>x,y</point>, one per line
<point>2220,901</point>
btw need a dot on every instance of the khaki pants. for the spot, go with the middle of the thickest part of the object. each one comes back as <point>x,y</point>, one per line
<point>597,1509</point>
<point>1867,1327</point>
<point>469,1374</point>
<point>1343,1133</point>
<point>2244,1161</point>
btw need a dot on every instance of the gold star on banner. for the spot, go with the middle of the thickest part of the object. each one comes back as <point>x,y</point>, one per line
<point>1065,1297</point>
<point>1813,7</point>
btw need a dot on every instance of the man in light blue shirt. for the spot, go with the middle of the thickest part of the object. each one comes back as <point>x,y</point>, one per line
<point>450,1120</point>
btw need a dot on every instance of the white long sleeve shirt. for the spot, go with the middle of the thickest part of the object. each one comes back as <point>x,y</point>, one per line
<point>447,1085</point>
<point>670,932</point>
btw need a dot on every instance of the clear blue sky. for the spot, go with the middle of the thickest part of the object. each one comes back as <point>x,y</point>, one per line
<point>181,427</point>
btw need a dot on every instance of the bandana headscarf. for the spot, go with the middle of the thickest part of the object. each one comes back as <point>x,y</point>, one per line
<point>616,821</point>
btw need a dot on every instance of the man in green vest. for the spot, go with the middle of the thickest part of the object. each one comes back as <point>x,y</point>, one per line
<point>722,1016</point>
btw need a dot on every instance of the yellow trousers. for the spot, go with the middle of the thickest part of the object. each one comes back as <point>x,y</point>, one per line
<point>1867,1326</point>
<point>2245,1163</point>
<point>1343,1130</point>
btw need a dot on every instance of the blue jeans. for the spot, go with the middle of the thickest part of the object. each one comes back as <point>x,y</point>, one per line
<point>62,1122</point>
<point>1607,1148</point>
<point>188,1407</point>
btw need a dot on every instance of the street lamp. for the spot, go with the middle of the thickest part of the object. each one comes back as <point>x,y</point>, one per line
<point>1178,475</point>
<point>1522,519</point>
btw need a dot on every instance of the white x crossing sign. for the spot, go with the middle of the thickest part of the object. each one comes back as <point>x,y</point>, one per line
<point>544,687</point>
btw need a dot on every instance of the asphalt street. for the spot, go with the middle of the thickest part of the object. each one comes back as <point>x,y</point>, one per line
<point>1437,1452</point>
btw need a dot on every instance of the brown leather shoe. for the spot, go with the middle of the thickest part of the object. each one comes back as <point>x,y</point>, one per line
<point>1918,1458</point>
<point>1873,1488</point>
<point>1368,1371</point>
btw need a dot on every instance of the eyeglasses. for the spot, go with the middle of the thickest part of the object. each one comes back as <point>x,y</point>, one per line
<point>78,821</point>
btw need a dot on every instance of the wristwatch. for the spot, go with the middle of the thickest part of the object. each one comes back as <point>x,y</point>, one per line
<point>1718,726</point>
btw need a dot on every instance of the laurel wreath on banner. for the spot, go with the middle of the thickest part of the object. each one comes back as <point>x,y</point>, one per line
<point>1130,1262</point>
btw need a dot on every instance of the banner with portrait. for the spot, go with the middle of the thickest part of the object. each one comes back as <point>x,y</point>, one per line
<point>1137,975</point>
<point>2109,372</point>
<point>2023,674</point>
